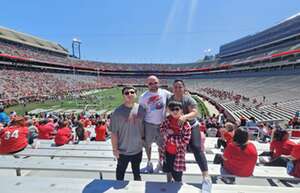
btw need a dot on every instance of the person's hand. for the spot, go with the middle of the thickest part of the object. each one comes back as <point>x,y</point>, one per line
<point>182,120</point>
<point>170,131</point>
<point>116,153</point>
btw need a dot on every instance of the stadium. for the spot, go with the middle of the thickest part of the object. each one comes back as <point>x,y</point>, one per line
<point>254,77</point>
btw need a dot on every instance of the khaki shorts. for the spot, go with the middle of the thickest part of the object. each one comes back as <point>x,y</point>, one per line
<point>152,135</point>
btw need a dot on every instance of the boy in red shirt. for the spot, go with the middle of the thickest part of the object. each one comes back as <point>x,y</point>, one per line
<point>176,137</point>
<point>64,134</point>
<point>14,138</point>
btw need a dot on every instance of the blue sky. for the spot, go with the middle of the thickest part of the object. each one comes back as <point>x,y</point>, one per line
<point>144,31</point>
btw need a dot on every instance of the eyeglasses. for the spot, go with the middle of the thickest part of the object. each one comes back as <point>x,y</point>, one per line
<point>152,83</point>
<point>175,109</point>
<point>129,92</point>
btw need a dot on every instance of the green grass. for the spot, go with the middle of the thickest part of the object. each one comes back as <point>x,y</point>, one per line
<point>102,99</point>
<point>107,99</point>
<point>201,107</point>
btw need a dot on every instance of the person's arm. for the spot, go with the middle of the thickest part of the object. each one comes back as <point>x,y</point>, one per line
<point>114,142</point>
<point>113,128</point>
<point>184,139</point>
<point>193,113</point>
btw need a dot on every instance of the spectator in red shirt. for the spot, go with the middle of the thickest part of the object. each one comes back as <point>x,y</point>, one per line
<point>64,134</point>
<point>175,141</point>
<point>279,146</point>
<point>226,135</point>
<point>100,131</point>
<point>14,138</point>
<point>46,129</point>
<point>239,157</point>
<point>295,160</point>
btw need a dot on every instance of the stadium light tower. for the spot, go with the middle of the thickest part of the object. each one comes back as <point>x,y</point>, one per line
<point>76,47</point>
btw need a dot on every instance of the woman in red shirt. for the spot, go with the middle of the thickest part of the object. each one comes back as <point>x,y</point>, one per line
<point>239,157</point>
<point>100,131</point>
<point>64,134</point>
<point>280,147</point>
<point>14,138</point>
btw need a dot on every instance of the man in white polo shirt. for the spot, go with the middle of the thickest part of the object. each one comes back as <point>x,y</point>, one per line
<point>154,101</point>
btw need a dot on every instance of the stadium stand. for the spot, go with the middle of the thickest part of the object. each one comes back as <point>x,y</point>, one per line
<point>256,76</point>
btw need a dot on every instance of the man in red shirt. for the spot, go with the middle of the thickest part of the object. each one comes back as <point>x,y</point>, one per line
<point>46,130</point>
<point>15,137</point>
<point>64,134</point>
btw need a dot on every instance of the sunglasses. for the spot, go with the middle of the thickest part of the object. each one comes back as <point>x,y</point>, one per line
<point>175,109</point>
<point>129,92</point>
<point>153,83</point>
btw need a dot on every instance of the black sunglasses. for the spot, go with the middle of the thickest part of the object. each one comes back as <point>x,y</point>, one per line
<point>152,83</point>
<point>129,92</point>
<point>175,109</point>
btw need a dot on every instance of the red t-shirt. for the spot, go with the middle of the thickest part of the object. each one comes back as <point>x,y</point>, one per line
<point>46,131</point>
<point>228,136</point>
<point>240,162</point>
<point>63,136</point>
<point>100,133</point>
<point>13,139</point>
<point>296,154</point>
<point>281,147</point>
<point>174,125</point>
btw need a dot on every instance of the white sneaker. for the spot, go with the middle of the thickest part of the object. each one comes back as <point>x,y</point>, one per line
<point>158,168</point>
<point>148,168</point>
<point>206,186</point>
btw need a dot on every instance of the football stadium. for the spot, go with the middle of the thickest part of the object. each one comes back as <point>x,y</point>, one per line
<point>226,123</point>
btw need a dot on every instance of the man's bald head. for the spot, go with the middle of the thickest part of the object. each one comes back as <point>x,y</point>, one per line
<point>153,83</point>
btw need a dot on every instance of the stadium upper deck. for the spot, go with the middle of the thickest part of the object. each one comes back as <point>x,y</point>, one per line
<point>284,36</point>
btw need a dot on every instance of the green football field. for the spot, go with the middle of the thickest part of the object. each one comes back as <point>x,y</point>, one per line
<point>104,100</point>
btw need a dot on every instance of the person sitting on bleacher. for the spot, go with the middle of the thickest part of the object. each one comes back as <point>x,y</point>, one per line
<point>293,166</point>
<point>81,133</point>
<point>64,133</point>
<point>175,141</point>
<point>226,135</point>
<point>4,119</point>
<point>280,145</point>
<point>252,129</point>
<point>14,138</point>
<point>265,132</point>
<point>239,157</point>
<point>46,129</point>
<point>100,130</point>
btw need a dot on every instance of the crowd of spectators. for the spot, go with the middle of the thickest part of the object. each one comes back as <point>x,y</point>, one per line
<point>17,86</point>
<point>28,52</point>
